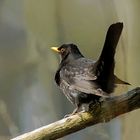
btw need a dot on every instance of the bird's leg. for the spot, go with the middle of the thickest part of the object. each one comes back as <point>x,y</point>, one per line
<point>85,107</point>
<point>74,111</point>
<point>98,102</point>
<point>102,98</point>
<point>95,103</point>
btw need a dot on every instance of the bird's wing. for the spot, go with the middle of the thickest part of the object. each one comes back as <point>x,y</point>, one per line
<point>82,80</point>
<point>88,87</point>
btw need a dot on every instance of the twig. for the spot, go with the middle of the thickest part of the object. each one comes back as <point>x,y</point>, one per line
<point>106,111</point>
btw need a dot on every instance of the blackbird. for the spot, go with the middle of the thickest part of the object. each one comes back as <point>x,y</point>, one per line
<point>84,80</point>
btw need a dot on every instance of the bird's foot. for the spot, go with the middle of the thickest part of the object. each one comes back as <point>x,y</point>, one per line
<point>85,107</point>
<point>94,104</point>
<point>98,102</point>
<point>67,115</point>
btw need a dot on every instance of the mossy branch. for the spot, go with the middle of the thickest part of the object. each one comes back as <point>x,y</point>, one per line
<point>99,113</point>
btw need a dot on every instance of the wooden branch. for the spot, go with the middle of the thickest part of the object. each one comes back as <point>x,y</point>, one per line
<point>99,113</point>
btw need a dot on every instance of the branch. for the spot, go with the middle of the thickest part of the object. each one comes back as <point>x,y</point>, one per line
<point>99,113</point>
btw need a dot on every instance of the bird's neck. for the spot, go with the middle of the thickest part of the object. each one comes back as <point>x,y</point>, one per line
<point>70,58</point>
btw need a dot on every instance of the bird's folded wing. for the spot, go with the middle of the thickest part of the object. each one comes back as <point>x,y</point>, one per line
<point>87,87</point>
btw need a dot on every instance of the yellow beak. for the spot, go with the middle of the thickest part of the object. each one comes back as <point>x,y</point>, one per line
<point>55,49</point>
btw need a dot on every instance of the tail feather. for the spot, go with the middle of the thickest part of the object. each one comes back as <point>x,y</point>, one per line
<point>119,81</point>
<point>105,64</point>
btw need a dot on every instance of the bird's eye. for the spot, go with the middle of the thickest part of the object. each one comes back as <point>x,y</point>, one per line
<point>62,50</point>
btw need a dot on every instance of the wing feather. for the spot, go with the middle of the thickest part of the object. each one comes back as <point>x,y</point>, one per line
<point>82,79</point>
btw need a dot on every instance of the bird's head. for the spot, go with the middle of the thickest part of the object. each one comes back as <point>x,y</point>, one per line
<point>68,52</point>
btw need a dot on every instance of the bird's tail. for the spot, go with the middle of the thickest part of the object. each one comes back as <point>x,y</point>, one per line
<point>105,64</point>
<point>119,81</point>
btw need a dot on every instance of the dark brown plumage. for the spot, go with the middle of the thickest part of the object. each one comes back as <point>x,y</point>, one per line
<point>83,80</point>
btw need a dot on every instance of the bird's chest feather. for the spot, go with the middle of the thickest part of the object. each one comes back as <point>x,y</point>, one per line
<point>64,79</point>
<point>68,91</point>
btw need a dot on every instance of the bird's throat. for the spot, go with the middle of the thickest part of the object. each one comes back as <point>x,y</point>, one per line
<point>70,58</point>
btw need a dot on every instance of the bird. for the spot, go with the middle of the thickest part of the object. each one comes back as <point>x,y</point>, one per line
<point>84,80</point>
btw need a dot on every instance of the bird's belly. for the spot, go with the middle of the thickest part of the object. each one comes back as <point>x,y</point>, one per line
<point>70,94</point>
<point>75,96</point>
